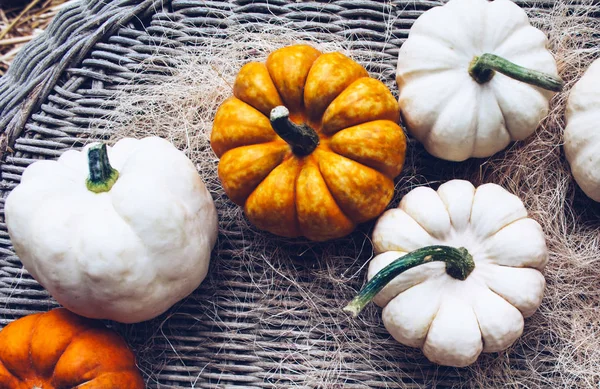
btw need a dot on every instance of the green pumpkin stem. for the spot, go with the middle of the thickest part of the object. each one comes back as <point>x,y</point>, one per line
<point>483,68</point>
<point>102,176</point>
<point>459,264</point>
<point>303,139</point>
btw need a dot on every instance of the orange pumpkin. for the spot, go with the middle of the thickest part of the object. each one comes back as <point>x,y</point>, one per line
<point>309,144</point>
<point>59,349</point>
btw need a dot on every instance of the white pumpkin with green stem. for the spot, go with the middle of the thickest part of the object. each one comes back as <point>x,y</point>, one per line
<point>456,271</point>
<point>474,75</point>
<point>121,240</point>
<point>582,138</point>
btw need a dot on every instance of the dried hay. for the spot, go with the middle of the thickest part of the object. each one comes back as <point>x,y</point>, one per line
<point>263,287</point>
<point>20,22</point>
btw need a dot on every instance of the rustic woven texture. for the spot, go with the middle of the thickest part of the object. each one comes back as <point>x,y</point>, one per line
<point>259,323</point>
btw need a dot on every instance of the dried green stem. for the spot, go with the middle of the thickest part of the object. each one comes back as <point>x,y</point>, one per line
<point>459,264</point>
<point>301,138</point>
<point>102,176</point>
<point>483,68</point>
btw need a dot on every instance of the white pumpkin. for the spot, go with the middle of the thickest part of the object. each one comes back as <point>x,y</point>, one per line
<point>582,138</point>
<point>452,98</point>
<point>122,244</point>
<point>453,303</point>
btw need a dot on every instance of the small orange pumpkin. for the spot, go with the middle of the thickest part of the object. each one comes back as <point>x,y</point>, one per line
<point>59,350</point>
<point>309,144</point>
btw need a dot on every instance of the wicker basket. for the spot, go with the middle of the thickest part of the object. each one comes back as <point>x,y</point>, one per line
<point>236,330</point>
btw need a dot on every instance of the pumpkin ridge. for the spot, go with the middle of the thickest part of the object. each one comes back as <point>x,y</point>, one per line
<point>335,200</point>
<point>30,340</point>
<point>439,103</point>
<point>421,27</point>
<point>493,261</point>
<point>359,162</point>
<point>21,379</point>
<point>478,325</point>
<point>490,13</point>
<point>239,91</point>
<point>383,169</point>
<point>501,228</point>
<point>265,188</point>
<point>98,364</point>
<point>432,318</point>
<point>91,379</point>
<point>8,371</point>
<point>437,284</point>
<point>500,49</point>
<point>123,370</point>
<point>427,231</point>
<point>285,158</point>
<point>443,107</point>
<point>357,88</point>
<point>489,264</point>
<point>475,313</point>
<point>299,53</point>
<point>420,73</point>
<point>503,129</point>
<point>95,378</point>
<point>79,333</point>
<point>536,93</point>
<point>441,49</point>
<point>257,129</point>
<point>302,163</point>
<point>425,280</point>
<point>350,72</point>
<point>332,133</point>
<point>344,209</point>
<point>452,226</point>
<point>476,121</point>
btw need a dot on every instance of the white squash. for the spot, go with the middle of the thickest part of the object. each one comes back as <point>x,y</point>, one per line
<point>582,138</point>
<point>452,98</point>
<point>474,260</point>
<point>122,244</point>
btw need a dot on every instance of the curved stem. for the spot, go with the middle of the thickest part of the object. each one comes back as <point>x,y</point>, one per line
<point>459,264</point>
<point>302,138</point>
<point>102,176</point>
<point>483,68</point>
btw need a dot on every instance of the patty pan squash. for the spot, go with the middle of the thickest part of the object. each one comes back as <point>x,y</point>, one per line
<point>581,133</point>
<point>474,75</point>
<point>309,144</point>
<point>60,350</point>
<point>456,271</point>
<point>119,233</point>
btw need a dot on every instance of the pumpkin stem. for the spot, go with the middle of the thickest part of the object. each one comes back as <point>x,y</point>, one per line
<point>102,176</point>
<point>483,68</point>
<point>301,138</point>
<point>459,264</point>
